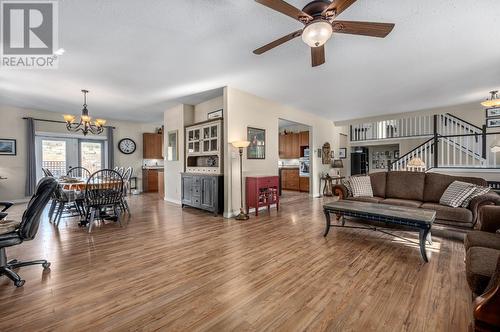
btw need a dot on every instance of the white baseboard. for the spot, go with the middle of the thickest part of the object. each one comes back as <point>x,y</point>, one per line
<point>174,201</point>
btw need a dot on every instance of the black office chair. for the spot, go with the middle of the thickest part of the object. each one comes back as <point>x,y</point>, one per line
<point>13,233</point>
<point>6,206</point>
<point>79,172</point>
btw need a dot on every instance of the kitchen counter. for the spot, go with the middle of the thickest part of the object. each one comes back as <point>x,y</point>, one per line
<point>153,167</point>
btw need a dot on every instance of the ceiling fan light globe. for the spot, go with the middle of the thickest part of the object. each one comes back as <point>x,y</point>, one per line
<point>317,33</point>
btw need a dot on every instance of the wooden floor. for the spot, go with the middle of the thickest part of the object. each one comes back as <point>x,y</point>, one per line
<point>184,270</point>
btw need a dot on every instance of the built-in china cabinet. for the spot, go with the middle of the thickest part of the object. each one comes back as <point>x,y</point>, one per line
<point>202,182</point>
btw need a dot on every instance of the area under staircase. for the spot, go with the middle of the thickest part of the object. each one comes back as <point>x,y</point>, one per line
<point>449,142</point>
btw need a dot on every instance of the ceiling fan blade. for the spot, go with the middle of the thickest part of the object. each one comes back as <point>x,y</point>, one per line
<point>278,42</point>
<point>371,29</point>
<point>287,9</point>
<point>337,7</point>
<point>318,55</point>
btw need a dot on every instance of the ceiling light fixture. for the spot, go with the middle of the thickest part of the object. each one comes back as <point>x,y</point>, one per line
<point>85,125</point>
<point>493,101</point>
<point>317,33</point>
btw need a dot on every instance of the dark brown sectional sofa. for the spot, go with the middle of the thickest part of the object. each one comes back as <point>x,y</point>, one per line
<point>424,190</point>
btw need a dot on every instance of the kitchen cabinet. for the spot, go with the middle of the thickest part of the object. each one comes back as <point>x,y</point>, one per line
<point>304,138</point>
<point>202,191</point>
<point>290,179</point>
<point>304,184</point>
<point>161,184</point>
<point>150,180</point>
<point>152,146</point>
<point>290,144</point>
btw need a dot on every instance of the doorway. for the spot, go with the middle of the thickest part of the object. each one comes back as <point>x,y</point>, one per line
<point>294,163</point>
<point>60,154</point>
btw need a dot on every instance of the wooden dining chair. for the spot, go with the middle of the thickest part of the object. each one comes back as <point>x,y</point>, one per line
<point>78,172</point>
<point>126,188</point>
<point>104,192</point>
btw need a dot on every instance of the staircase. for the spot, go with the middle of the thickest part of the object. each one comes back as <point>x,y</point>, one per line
<point>451,142</point>
<point>456,144</point>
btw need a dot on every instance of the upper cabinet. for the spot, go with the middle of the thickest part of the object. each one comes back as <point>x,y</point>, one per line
<point>152,146</point>
<point>204,139</point>
<point>290,144</point>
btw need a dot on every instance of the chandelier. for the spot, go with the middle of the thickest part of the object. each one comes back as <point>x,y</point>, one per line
<point>85,125</point>
<point>493,101</point>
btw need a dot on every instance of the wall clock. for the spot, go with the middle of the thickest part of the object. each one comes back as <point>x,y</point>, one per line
<point>127,146</point>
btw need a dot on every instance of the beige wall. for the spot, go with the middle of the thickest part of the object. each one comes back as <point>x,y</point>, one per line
<point>175,119</point>
<point>242,110</point>
<point>13,126</point>
<point>201,110</point>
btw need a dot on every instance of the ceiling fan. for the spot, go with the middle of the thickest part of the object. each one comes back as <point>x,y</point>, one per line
<point>319,18</point>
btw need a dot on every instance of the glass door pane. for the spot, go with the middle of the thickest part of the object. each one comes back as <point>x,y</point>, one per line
<point>57,155</point>
<point>91,155</point>
<point>54,156</point>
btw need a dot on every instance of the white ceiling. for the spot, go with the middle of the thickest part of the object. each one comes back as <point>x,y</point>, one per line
<point>139,57</point>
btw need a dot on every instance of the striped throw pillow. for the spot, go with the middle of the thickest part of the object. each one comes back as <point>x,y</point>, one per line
<point>456,193</point>
<point>477,192</point>
<point>361,186</point>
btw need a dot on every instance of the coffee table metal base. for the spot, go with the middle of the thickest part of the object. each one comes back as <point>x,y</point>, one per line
<point>424,234</point>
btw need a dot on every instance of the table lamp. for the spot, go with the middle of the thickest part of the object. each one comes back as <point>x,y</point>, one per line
<point>337,164</point>
<point>240,145</point>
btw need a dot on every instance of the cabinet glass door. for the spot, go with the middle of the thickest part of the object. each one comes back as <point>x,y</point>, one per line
<point>196,147</point>
<point>196,134</point>
<point>213,145</point>
<point>190,147</point>
<point>190,135</point>
<point>214,131</point>
<point>206,145</point>
<point>206,132</point>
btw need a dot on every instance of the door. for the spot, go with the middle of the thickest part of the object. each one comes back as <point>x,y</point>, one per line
<point>57,155</point>
<point>187,184</point>
<point>207,193</point>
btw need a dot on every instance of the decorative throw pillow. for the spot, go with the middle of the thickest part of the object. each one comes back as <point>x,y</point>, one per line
<point>347,185</point>
<point>456,193</point>
<point>477,192</point>
<point>361,186</point>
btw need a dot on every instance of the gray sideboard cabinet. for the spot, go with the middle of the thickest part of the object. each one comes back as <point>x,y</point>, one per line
<point>203,191</point>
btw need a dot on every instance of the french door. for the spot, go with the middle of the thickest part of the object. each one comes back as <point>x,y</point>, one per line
<point>59,155</point>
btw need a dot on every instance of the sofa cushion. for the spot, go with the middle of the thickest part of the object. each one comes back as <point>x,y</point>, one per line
<point>378,183</point>
<point>456,215</point>
<point>405,185</point>
<point>482,239</point>
<point>436,184</point>
<point>366,199</point>
<point>402,202</point>
<point>456,193</point>
<point>480,264</point>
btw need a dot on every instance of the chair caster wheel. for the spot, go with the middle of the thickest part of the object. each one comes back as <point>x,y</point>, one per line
<point>19,283</point>
<point>46,265</point>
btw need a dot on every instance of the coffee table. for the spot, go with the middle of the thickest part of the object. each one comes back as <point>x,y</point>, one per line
<point>419,220</point>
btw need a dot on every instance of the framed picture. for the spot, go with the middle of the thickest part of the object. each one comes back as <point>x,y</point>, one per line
<point>493,112</point>
<point>493,123</point>
<point>8,147</point>
<point>342,153</point>
<point>257,147</point>
<point>215,114</point>
<point>172,145</point>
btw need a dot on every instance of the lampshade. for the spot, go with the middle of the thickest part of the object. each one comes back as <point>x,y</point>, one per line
<point>493,101</point>
<point>317,33</point>
<point>69,118</point>
<point>495,147</point>
<point>240,144</point>
<point>337,163</point>
<point>416,162</point>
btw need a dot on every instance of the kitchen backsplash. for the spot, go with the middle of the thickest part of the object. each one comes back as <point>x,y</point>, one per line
<point>152,162</point>
<point>288,162</point>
